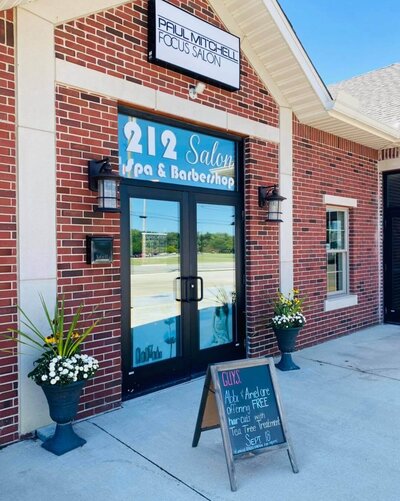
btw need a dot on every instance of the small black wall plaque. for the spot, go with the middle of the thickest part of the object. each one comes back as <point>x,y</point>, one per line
<point>99,249</point>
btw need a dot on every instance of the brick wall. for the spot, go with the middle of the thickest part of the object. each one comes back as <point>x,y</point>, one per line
<point>87,129</point>
<point>115,42</point>
<point>262,247</point>
<point>389,154</point>
<point>8,242</point>
<point>326,164</point>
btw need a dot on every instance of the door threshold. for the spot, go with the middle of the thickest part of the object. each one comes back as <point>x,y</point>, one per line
<point>153,389</point>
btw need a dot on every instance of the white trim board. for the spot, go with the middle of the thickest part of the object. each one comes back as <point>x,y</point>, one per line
<point>36,195</point>
<point>344,301</point>
<point>389,164</point>
<point>340,201</point>
<point>79,77</point>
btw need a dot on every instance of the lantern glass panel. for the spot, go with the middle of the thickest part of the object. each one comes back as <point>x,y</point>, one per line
<point>107,193</point>
<point>274,210</point>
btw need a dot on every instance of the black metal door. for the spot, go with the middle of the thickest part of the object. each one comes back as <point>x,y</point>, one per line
<point>392,247</point>
<point>182,290</point>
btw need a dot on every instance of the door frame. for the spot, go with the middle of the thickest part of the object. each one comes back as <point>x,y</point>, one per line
<point>388,213</point>
<point>200,358</point>
<point>147,187</point>
<point>176,367</point>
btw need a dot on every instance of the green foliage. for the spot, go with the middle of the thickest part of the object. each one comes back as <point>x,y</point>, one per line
<point>136,243</point>
<point>60,342</point>
<point>288,311</point>
<point>221,243</point>
<point>155,244</point>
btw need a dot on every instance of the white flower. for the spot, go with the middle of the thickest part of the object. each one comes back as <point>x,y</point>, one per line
<point>52,373</point>
<point>44,377</point>
<point>57,378</point>
<point>53,381</point>
<point>85,376</point>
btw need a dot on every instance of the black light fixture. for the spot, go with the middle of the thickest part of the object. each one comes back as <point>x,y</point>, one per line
<point>103,180</point>
<point>269,196</point>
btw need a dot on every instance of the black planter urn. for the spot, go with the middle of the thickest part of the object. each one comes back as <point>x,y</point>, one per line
<point>63,406</point>
<point>287,344</point>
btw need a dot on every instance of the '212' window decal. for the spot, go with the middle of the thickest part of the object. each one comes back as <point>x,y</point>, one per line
<point>150,151</point>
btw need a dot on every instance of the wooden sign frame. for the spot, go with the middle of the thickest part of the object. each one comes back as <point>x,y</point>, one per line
<point>212,413</point>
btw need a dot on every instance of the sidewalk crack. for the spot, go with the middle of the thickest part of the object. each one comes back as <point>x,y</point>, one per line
<point>150,461</point>
<point>353,368</point>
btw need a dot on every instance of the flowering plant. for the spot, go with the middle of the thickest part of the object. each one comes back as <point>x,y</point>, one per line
<point>288,311</point>
<point>60,362</point>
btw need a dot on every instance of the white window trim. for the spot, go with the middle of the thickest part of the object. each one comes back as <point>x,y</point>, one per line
<point>340,301</point>
<point>336,301</point>
<point>340,202</point>
<point>344,251</point>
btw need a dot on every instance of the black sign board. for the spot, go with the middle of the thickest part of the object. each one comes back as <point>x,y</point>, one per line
<point>185,43</point>
<point>242,398</point>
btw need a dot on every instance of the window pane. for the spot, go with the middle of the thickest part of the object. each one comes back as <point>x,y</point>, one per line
<point>339,281</point>
<point>339,262</point>
<point>335,269</point>
<point>335,235</point>
<point>216,265</point>
<point>331,282</point>
<point>155,267</point>
<point>331,263</point>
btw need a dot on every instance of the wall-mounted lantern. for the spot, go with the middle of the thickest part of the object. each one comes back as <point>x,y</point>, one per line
<point>106,182</point>
<point>268,196</point>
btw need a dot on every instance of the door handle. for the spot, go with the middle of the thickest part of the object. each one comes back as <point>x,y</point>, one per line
<point>187,295</point>
<point>183,285</point>
<point>176,282</point>
<point>198,299</point>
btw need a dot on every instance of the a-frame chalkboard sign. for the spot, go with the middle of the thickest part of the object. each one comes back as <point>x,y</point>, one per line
<point>242,398</point>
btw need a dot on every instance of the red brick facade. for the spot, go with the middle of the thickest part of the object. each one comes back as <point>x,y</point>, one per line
<point>262,247</point>
<point>326,164</point>
<point>87,129</point>
<point>8,233</point>
<point>115,42</point>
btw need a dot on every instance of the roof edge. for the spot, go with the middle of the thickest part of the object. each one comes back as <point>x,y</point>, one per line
<point>298,50</point>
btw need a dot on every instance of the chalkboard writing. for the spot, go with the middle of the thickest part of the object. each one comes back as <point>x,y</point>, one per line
<point>242,398</point>
<point>250,407</point>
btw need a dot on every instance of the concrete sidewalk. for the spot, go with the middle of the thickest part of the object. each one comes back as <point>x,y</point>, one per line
<point>342,409</point>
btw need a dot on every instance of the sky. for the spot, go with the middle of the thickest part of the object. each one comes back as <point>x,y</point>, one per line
<point>345,38</point>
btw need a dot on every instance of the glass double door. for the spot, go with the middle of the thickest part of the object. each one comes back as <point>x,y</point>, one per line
<point>182,298</point>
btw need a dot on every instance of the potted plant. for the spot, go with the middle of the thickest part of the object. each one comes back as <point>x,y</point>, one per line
<point>287,321</point>
<point>61,370</point>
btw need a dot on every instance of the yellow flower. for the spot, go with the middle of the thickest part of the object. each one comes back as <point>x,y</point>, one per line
<point>75,335</point>
<point>50,340</point>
